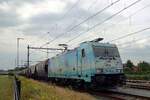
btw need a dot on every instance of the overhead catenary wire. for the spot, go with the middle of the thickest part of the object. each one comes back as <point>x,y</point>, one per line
<point>45,51</point>
<point>100,11</point>
<point>127,35</point>
<point>130,43</point>
<point>133,14</point>
<point>138,0</point>
<point>104,21</point>
<point>94,3</point>
<point>41,37</point>
<point>90,6</point>
<point>46,56</point>
<point>65,14</point>
<point>130,34</point>
<point>93,15</point>
<point>73,6</point>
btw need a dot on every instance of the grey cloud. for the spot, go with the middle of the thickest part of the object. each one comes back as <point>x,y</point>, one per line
<point>9,19</point>
<point>135,54</point>
<point>7,60</point>
<point>19,2</point>
<point>56,23</point>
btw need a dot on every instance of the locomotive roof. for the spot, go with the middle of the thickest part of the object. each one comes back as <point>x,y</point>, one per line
<point>98,44</point>
<point>84,43</point>
<point>88,43</point>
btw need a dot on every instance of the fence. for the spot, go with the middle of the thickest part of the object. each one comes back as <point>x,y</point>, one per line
<point>17,88</point>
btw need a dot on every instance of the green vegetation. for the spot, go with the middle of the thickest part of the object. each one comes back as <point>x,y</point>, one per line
<point>6,87</point>
<point>34,90</point>
<point>129,64</point>
<point>138,76</point>
<point>139,72</point>
<point>16,69</point>
<point>144,66</point>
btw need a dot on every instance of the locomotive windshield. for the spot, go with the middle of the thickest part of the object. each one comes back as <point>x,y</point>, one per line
<point>105,51</point>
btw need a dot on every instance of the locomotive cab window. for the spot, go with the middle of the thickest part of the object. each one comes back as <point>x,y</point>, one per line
<point>46,68</point>
<point>83,52</point>
<point>105,51</point>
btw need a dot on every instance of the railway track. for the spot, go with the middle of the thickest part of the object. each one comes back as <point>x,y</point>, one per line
<point>120,93</point>
<point>130,93</point>
<point>133,90</point>
<point>118,96</point>
<point>140,84</point>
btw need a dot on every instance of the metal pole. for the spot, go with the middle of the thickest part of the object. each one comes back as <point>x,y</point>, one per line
<point>47,52</point>
<point>17,52</point>
<point>28,56</point>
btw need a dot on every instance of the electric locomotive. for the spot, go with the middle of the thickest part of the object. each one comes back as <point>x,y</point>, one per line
<point>94,63</point>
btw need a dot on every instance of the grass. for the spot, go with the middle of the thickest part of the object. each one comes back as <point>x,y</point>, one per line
<point>6,87</point>
<point>138,76</point>
<point>141,75</point>
<point>34,90</point>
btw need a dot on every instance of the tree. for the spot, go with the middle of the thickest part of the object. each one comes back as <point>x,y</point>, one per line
<point>144,66</point>
<point>19,68</point>
<point>129,64</point>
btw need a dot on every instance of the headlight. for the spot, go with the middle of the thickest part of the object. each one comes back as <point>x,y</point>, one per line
<point>99,70</point>
<point>120,70</point>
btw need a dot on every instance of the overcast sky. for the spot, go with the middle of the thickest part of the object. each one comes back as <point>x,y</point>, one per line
<point>40,21</point>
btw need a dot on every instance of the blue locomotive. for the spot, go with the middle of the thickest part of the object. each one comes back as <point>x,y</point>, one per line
<point>93,63</point>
